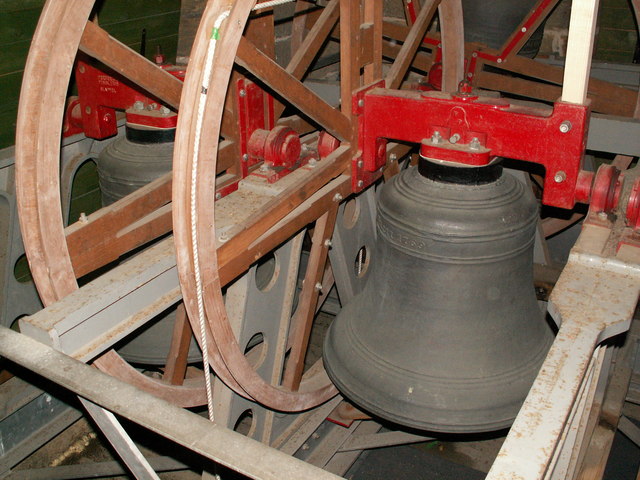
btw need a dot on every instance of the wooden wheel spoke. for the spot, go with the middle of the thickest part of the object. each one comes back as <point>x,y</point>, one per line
<point>303,319</point>
<point>282,82</point>
<point>144,73</point>
<point>411,44</point>
<point>176,364</point>
<point>310,46</point>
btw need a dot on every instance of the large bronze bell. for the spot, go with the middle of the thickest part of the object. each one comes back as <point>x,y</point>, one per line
<point>447,335</point>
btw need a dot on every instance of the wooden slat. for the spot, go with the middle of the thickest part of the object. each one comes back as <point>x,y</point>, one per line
<point>582,25</point>
<point>349,49</point>
<point>144,73</point>
<point>421,62</point>
<point>127,224</point>
<point>605,91</point>
<point>176,364</point>
<point>235,263</point>
<point>247,232</point>
<point>298,25</point>
<point>546,92</point>
<point>283,83</point>
<point>410,46</point>
<point>450,14</point>
<point>373,17</point>
<point>309,48</point>
<point>303,319</point>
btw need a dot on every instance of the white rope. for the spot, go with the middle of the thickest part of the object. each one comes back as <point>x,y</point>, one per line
<point>208,66</point>
<point>206,79</point>
<point>271,3</point>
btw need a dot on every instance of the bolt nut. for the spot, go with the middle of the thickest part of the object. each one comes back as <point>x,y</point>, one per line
<point>305,446</point>
<point>565,126</point>
<point>337,198</point>
<point>245,157</point>
<point>455,138</point>
<point>223,237</point>
<point>360,183</point>
<point>152,106</point>
<point>560,176</point>
<point>164,110</point>
<point>360,163</point>
<point>243,93</point>
<point>318,286</point>
<point>328,243</point>
<point>436,137</point>
<point>474,144</point>
<point>361,103</point>
<point>393,157</point>
<point>138,105</point>
<point>218,196</point>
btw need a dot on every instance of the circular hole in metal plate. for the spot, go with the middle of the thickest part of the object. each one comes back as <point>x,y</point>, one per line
<point>266,272</point>
<point>351,213</point>
<point>361,263</point>
<point>256,350</point>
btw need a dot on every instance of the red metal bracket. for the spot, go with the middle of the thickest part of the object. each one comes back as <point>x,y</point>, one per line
<point>101,94</point>
<point>277,147</point>
<point>473,130</point>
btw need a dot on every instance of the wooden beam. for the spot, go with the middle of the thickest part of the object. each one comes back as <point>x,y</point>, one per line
<point>349,50</point>
<point>303,318</point>
<point>176,364</point>
<point>410,46</point>
<point>373,19</point>
<point>283,83</point>
<point>103,47</point>
<point>450,14</point>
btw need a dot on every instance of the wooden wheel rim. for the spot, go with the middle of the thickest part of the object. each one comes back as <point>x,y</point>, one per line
<point>225,354</point>
<point>225,348</point>
<point>46,77</point>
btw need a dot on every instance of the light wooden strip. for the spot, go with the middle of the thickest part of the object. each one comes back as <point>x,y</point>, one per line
<point>582,26</point>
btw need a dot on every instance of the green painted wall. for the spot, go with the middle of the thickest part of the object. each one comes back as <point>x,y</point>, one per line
<point>124,19</point>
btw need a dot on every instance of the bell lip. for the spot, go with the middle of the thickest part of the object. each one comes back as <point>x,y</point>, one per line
<point>459,174</point>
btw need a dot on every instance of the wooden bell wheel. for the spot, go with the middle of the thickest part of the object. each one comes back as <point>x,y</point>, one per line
<point>195,161</point>
<point>58,256</point>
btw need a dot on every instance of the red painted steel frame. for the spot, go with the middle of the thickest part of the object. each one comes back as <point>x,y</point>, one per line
<point>554,138</point>
<point>101,94</point>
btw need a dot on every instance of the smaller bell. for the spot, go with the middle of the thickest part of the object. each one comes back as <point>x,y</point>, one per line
<point>447,335</point>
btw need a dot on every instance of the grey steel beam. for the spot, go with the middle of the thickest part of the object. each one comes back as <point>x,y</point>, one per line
<point>216,443</point>
<point>620,135</point>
